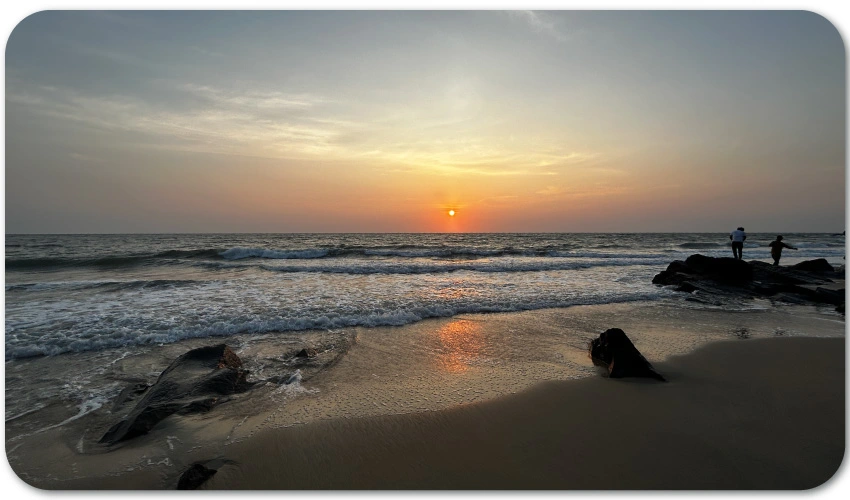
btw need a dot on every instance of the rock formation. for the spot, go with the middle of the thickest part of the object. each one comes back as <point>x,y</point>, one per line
<point>195,382</point>
<point>194,477</point>
<point>614,351</point>
<point>813,281</point>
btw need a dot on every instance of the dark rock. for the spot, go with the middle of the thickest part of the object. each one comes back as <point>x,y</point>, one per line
<point>722,269</point>
<point>615,351</point>
<point>724,278</point>
<point>130,392</point>
<point>194,476</point>
<point>307,352</point>
<point>229,359</point>
<point>675,273</point>
<point>830,296</point>
<point>202,405</point>
<point>193,383</point>
<point>814,266</point>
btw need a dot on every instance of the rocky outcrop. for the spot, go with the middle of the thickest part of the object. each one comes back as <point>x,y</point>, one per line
<point>614,351</point>
<point>194,476</point>
<point>813,281</point>
<point>195,382</point>
<point>814,266</point>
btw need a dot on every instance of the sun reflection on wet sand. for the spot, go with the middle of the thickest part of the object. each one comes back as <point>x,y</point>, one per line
<point>462,342</point>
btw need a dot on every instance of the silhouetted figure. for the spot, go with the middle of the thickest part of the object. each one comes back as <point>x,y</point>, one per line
<point>776,247</point>
<point>738,236</point>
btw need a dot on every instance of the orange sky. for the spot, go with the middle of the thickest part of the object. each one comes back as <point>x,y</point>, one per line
<point>383,121</point>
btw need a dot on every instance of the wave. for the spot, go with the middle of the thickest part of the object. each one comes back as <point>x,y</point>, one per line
<point>218,256</point>
<point>436,267</point>
<point>702,244</point>
<point>119,338</point>
<point>105,285</point>
<point>244,253</point>
<point>109,261</point>
<point>401,251</point>
<point>239,253</point>
<point>46,245</point>
<point>408,251</point>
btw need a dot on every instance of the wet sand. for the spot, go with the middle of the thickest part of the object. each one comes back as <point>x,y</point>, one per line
<point>485,402</point>
<point>763,414</point>
<point>759,414</point>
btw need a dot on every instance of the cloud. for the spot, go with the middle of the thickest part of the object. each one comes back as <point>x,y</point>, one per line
<point>281,124</point>
<point>540,23</point>
<point>252,99</point>
<point>249,123</point>
<point>600,190</point>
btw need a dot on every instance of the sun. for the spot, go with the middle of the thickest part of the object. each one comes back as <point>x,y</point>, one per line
<point>451,213</point>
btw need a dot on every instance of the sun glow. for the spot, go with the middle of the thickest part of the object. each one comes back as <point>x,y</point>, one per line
<point>451,213</point>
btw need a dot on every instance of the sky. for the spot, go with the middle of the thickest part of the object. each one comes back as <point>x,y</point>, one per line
<point>383,121</point>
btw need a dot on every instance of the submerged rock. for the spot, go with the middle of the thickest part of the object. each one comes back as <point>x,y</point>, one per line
<point>194,382</point>
<point>614,351</point>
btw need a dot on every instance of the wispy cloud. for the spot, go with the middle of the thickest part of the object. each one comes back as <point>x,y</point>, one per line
<point>280,124</point>
<point>252,99</point>
<point>541,23</point>
<point>250,123</point>
<point>584,192</point>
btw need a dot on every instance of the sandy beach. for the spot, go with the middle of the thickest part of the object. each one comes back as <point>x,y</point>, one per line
<point>342,250</point>
<point>334,250</point>
<point>761,413</point>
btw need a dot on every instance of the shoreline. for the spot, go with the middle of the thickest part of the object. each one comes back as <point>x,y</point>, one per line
<point>782,428</point>
<point>758,414</point>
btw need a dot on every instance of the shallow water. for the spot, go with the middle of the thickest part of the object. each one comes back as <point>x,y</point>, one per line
<point>360,372</point>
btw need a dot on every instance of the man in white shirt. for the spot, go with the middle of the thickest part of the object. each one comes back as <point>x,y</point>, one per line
<point>738,236</point>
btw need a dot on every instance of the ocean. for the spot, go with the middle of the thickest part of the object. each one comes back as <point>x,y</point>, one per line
<point>71,293</point>
<point>402,322</point>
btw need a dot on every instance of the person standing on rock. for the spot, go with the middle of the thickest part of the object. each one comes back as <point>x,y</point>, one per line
<point>738,236</point>
<point>776,247</point>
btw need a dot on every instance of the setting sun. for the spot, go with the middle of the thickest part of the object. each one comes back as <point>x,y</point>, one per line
<point>191,183</point>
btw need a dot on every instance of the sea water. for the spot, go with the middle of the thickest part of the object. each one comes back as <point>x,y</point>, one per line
<point>72,293</point>
<point>86,315</point>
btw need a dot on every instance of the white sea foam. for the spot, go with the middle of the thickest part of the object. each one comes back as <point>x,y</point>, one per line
<point>138,331</point>
<point>503,265</point>
<point>295,378</point>
<point>84,408</point>
<point>35,408</point>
